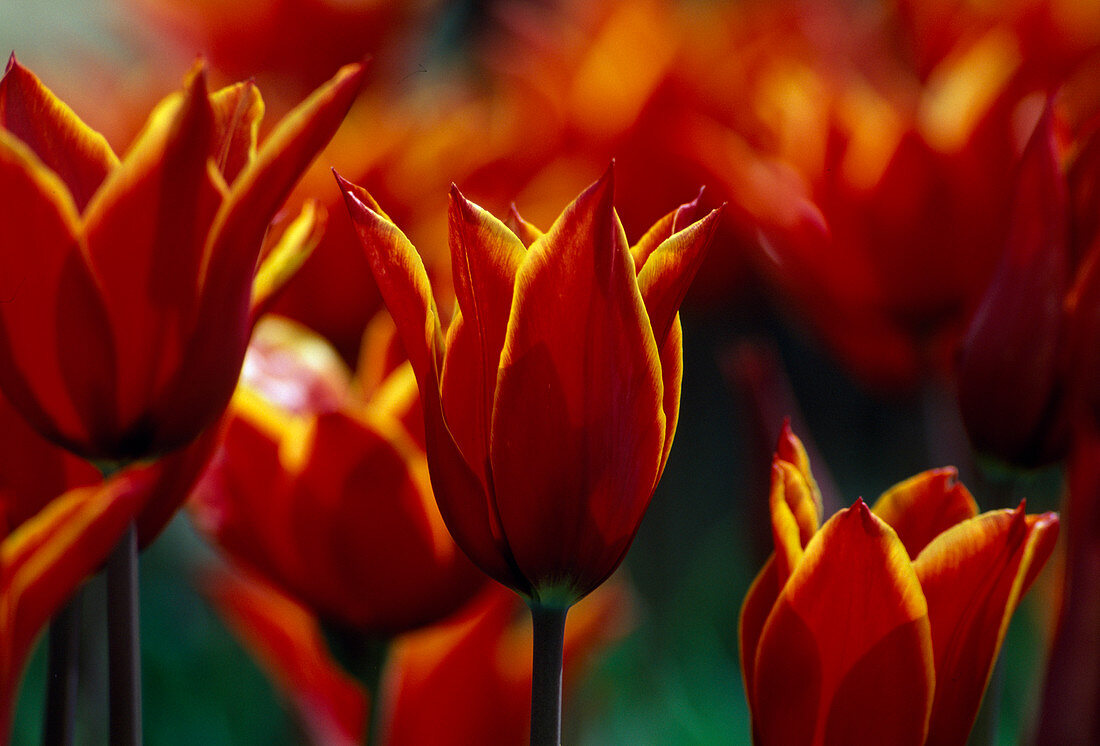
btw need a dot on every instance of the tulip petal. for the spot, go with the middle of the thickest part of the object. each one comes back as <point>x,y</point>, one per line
<point>794,517</point>
<point>579,360</point>
<point>286,247</point>
<point>525,231</point>
<point>758,604</point>
<point>145,230</point>
<point>672,374</point>
<point>789,448</point>
<point>663,229</point>
<point>404,285</point>
<point>485,257</point>
<point>924,506</point>
<point>79,155</point>
<point>219,337</point>
<point>669,270</point>
<point>973,576</point>
<point>42,228</point>
<point>238,111</point>
<point>845,656</point>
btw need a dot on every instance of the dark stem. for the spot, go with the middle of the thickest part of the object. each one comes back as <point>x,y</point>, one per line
<point>365,657</point>
<point>546,664</point>
<point>61,683</point>
<point>123,644</point>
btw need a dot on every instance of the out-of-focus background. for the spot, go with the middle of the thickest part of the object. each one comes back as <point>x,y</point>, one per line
<point>528,102</point>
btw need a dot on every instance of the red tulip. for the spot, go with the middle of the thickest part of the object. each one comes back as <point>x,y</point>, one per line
<point>550,406</point>
<point>128,285</point>
<point>882,625</point>
<point>326,494</point>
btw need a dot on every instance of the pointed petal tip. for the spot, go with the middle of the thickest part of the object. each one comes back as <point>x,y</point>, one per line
<point>12,62</point>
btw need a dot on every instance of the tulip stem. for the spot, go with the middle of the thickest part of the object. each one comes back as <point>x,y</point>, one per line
<point>123,644</point>
<point>63,674</point>
<point>373,666</point>
<point>549,641</point>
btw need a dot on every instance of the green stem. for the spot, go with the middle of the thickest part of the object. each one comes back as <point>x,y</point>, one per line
<point>546,663</point>
<point>123,644</point>
<point>63,674</point>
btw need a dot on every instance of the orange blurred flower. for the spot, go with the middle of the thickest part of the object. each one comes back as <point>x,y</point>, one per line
<point>875,198</point>
<point>472,673</point>
<point>325,492</point>
<point>128,285</point>
<point>550,407</point>
<point>47,557</point>
<point>881,626</point>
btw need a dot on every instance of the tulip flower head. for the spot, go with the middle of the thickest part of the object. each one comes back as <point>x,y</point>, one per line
<point>882,625</point>
<point>551,403</point>
<point>128,284</point>
<point>327,495</point>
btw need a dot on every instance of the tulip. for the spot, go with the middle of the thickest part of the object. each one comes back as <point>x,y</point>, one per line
<point>325,493</point>
<point>550,407</point>
<point>129,284</point>
<point>883,624</point>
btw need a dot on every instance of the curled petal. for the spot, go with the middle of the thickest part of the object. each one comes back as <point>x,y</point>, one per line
<point>286,247</point>
<point>664,279</point>
<point>238,110</point>
<point>794,517</point>
<point>973,576</point>
<point>846,656</point>
<point>789,448</point>
<point>663,229</point>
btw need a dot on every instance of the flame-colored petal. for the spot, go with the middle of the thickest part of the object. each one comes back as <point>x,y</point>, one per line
<point>219,337</point>
<point>794,517</point>
<point>663,229</point>
<point>287,245</point>
<point>672,374</point>
<point>755,610</point>
<point>846,656</point>
<point>79,155</point>
<point>973,576</point>
<point>669,270</point>
<point>238,111</point>
<point>145,230</point>
<point>44,257</point>
<point>924,506</point>
<point>527,232</point>
<point>33,471</point>
<point>578,425</point>
<point>403,282</point>
<point>485,256</point>
<point>789,448</point>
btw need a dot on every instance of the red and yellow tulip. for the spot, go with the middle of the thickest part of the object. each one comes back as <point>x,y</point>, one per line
<point>325,492</point>
<point>551,404</point>
<point>883,624</point>
<point>128,284</point>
